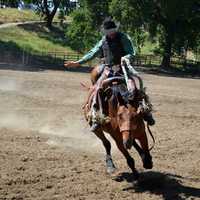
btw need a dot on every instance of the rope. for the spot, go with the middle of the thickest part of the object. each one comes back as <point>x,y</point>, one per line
<point>85,86</point>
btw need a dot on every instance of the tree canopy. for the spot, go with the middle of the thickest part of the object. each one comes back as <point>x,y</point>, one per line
<point>173,23</point>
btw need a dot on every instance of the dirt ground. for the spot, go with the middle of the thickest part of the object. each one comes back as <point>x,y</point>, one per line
<point>47,151</point>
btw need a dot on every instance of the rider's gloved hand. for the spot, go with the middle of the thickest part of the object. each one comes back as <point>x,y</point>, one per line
<point>71,64</point>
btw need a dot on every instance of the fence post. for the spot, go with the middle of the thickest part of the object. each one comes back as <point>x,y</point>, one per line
<point>23,56</point>
<point>145,60</point>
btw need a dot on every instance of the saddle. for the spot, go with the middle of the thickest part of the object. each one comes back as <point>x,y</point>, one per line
<point>113,86</point>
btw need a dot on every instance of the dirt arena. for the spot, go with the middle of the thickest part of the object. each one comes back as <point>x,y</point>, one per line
<point>47,151</point>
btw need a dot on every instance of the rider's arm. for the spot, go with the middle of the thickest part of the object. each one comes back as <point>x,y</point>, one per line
<point>92,53</point>
<point>128,46</point>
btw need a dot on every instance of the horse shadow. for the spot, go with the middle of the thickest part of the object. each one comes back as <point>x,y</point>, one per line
<point>169,186</point>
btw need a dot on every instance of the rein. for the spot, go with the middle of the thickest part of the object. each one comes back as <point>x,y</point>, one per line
<point>85,86</point>
<point>151,134</point>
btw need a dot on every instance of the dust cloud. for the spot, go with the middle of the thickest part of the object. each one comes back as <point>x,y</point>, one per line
<point>38,102</point>
<point>7,84</point>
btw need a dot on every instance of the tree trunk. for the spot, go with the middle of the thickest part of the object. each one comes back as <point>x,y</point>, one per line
<point>50,14</point>
<point>167,48</point>
<point>49,21</point>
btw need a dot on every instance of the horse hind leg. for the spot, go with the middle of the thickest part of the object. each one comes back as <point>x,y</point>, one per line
<point>110,167</point>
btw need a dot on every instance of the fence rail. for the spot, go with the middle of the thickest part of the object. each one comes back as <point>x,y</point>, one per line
<point>56,58</point>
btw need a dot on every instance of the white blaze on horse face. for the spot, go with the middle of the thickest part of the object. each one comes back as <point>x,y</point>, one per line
<point>125,135</point>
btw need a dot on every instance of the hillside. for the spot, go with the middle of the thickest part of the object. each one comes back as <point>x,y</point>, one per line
<point>9,15</point>
<point>33,37</point>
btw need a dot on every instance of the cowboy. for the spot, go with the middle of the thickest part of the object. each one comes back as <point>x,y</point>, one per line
<point>113,46</point>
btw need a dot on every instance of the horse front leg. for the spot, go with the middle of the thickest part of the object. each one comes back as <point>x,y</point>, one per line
<point>110,167</point>
<point>130,161</point>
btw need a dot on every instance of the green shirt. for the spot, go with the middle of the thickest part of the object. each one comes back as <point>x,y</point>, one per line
<point>126,42</point>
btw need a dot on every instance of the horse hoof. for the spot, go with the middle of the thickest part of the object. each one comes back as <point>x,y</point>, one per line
<point>135,175</point>
<point>110,165</point>
<point>148,165</point>
<point>110,170</point>
<point>147,161</point>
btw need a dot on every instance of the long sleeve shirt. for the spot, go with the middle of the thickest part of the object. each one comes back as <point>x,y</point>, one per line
<point>125,40</point>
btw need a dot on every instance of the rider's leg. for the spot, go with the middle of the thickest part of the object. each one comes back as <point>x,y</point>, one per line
<point>148,116</point>
<point>94,107</point>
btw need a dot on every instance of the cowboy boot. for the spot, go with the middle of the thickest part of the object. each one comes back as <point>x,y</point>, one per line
<point>95,122</point>
<point>146,107</point>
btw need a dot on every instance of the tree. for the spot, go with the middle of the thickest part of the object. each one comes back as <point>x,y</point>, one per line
<point>10,3</point>
<point>84,31</point>
<point>174,23</point>
<point>47,9</point>
<point>67,6</point>
<point>175,20</point>
<point>130,20</point>
<point>79,34</point>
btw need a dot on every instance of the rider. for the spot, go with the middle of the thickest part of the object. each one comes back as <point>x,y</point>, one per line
<point>114,45</point>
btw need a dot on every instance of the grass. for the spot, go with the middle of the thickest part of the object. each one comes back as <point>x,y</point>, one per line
<point>31,38</point>
<point>35,38</point>
<point>8,15</point>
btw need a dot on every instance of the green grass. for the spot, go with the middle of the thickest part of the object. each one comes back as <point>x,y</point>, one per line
<point>31,38</point>
<point>34,38</point>
<point>8,15</point>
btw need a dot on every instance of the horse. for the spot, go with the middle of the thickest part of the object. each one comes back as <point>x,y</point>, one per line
<point>125,123</point>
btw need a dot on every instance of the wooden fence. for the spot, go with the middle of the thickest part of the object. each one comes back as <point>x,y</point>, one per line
<point>57,58</point>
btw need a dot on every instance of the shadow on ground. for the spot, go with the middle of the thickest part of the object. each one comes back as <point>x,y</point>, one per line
<point>169,186</point>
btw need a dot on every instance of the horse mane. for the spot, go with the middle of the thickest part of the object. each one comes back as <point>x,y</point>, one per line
<point>118,92</point>
<point>120,95</point>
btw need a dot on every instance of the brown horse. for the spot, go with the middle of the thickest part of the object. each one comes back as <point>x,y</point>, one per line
<point>125,125</point>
